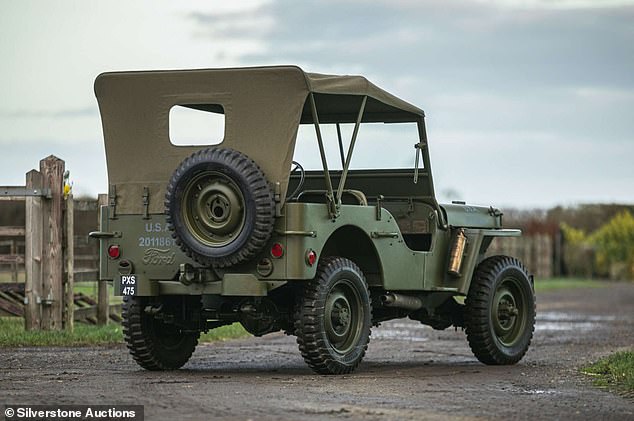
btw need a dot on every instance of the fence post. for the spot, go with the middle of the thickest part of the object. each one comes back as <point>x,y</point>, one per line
<point>69,308</point>
<point>103,304</point>
<point>558,253</point>
<point>33,254</point>
<point>52,169</point>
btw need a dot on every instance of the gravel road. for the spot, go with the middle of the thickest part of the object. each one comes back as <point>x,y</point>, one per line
<point>410,372</point>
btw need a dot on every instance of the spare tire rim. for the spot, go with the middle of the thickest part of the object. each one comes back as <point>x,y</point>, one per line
<point>213,209</point>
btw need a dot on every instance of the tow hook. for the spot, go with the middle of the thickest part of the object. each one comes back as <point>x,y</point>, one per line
<point>152,310</point>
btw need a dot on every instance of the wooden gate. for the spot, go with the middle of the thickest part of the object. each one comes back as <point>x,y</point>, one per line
<point>49,300</point>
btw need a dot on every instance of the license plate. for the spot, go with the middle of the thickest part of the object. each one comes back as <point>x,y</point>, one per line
<point>127,285</point>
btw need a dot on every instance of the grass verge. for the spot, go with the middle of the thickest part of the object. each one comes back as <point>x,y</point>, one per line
<point>223,333</point>
<point>12,334</point>
<point>615,372</point>
<point>550,284</point>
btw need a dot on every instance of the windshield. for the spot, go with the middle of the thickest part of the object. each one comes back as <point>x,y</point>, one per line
<point>378,146</point>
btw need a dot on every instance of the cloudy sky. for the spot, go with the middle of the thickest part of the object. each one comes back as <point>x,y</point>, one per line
<point>529,103</point>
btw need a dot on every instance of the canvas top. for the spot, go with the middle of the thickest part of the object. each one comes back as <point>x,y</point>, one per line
<point>263,107</point>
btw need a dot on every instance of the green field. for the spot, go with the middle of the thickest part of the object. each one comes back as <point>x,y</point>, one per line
<point>87,288</point>
<point>12,334</point>
<point>549,284</point>
<point>90,289</point>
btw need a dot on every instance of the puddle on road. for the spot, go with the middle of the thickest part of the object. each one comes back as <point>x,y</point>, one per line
<point>402,335</point>
<point>538,392</point>
<point>564,326</point>
<point>404,330</point>
<point>412,331</point>
<point>560,321</point>
<point>557,316</point>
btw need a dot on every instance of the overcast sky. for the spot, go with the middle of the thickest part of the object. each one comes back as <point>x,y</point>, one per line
<point>529,103</point>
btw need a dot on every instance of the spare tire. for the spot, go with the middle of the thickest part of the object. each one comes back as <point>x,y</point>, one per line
<point>220,207</point>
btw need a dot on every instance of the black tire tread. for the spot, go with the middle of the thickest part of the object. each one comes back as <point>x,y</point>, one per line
<point>477,311</point>
<point>143,347</point>
<point>259,189</point>
<point>310,337</point>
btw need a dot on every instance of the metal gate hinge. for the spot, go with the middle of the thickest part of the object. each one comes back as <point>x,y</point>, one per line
<point>146,203</point>
<point>112,201</point>
<point>277,197</point>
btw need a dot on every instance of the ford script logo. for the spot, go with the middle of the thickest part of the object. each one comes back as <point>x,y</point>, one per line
<point>155,256</point>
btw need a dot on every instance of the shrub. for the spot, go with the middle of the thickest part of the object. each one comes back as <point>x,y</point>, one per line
<point>614,246</point>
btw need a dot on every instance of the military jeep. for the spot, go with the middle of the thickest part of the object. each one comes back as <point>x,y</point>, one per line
<point>197,237</point>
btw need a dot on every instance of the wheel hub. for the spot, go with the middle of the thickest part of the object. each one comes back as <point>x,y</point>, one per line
<point>214,209</point>
<point>506,313</point>
<point>220,208</point>
<point>342,316</point>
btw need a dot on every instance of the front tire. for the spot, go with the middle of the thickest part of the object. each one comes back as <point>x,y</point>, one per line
<point>500,311</point>
<point>333,320</point>
<point>154,345</point>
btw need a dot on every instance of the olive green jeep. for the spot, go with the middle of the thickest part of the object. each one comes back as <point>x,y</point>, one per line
<point>197,237</point>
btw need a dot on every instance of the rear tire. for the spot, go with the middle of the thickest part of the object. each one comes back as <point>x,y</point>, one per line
<point>153,344</point>
<point>500,311</point>
<point>333,319</point>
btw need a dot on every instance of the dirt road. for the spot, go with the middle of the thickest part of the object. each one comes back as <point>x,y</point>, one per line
<point>410,372</point>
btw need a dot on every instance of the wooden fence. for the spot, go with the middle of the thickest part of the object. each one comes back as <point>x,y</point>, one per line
<point>541,253</point>
<point>85,307</point>
<point>49,258</point>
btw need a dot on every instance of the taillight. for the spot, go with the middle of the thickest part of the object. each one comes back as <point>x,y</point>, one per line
<point>311,257</point>
<point>114,251</point>
<point>277,250</point>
